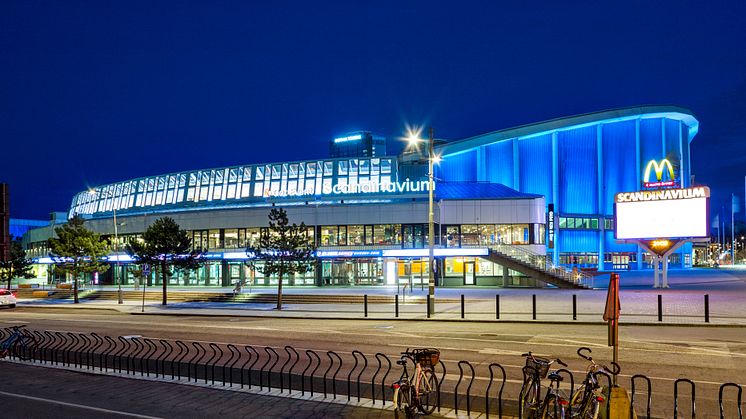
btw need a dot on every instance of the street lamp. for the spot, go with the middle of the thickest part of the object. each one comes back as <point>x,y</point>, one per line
<point>120,299</point>
<point>413,139</point>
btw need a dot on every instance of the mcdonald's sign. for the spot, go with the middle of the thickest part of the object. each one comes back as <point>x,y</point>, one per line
<point>664,167</point>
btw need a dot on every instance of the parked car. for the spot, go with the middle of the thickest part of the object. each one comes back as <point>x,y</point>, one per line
<point>7,298</point>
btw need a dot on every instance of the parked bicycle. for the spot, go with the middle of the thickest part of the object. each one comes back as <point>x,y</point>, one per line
<point>588,398</point>
<point>18,344</point>
<point>420,391</point>
<point>531,405</point>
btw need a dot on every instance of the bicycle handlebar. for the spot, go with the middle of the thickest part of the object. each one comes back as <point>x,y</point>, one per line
<point>586,357</point>
<point>557,360</point>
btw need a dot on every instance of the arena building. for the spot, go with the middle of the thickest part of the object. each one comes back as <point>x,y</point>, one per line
<point>525,206</point>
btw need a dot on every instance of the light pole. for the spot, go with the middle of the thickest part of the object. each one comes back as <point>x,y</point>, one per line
<point>413,139</point>
<point>120,299</point>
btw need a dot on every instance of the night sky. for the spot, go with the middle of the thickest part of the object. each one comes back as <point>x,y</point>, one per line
<point>102,91</point>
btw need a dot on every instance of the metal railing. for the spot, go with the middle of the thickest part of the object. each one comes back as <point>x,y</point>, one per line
<point>336,375</point>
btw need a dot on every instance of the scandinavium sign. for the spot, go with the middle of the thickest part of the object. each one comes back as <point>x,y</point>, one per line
<point>407,186</point>
<point>666,194</point>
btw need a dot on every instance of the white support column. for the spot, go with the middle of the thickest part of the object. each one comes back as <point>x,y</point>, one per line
<point>555,196</point>
<point>664,260</point>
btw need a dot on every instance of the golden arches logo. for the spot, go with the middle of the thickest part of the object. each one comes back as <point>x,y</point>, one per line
<point>659,167</point>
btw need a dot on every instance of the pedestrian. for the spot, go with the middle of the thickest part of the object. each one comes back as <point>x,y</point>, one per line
<point>237,288</point>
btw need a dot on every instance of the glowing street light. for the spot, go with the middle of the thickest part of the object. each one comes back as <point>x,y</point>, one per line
<point>413,139</point>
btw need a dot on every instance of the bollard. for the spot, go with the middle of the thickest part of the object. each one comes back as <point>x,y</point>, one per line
<point>396,305</point>
<point>428,306</point>
<point>533,305</point>
<point>660,308</point>
<point>462,306</point>
<point>497,306</point>
<point>707,308</point>
<point>365,303</point>
<point>574,307</point>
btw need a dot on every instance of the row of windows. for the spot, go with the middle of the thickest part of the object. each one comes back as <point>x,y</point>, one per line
<point>584,223</point>
<point>234,183</point>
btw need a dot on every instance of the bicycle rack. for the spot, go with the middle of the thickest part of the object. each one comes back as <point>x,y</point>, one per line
<point>442,378</point>
<point>271,355</point>
<point>120,353</point>
<point>253,354</point>
<point>99,343</point>
<point>140,349</point>
<point>201,352</point>
<point>40,345</point>
<point>217,354</point>
<point>316,356</point>
<point>676,396</point>
<point>289,350</point>
<point>231,362</point>
<point>738,399</point>
<point>178,359</point>
<point>152,349</point>
<point>73,341</point>
<point>380,356</point>
<point>632,396</point>
<point>84,350</point>
<point>499,393</point>
<point>355,354</point>
<point>331,355</point>
<point>468,388</point>
<point>168,349</point>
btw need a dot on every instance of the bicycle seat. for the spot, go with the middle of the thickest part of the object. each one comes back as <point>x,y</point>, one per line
<point>401,362</point>
<point>554,377</point>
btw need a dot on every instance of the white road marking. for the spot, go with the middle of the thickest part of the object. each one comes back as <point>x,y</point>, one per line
<point>80,406</point>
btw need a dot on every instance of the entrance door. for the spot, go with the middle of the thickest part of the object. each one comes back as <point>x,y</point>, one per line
<point>468,273</point>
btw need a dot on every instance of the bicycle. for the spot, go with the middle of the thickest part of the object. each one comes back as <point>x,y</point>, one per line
<point>18,344</point>
<point>419,392</point>
<point>586,401</point>
<point>531,405</point>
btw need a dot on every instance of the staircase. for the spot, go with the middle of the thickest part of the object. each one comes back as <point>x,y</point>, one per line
<point>538,267</point>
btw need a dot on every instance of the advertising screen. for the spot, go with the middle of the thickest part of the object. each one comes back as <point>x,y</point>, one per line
<point>670,213</point>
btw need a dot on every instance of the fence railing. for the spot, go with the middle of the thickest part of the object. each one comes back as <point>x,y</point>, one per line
<point>335,375</point>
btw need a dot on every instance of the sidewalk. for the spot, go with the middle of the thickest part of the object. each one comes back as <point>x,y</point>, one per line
<point>683,303</point>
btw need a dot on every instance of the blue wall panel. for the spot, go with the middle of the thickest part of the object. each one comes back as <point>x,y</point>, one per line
<point>578,241</point>
<point>578,171</point>
<point>619,163</point>
<point>460,167</point>
<point>673,149</point>
<point>611,245</point>
<point>651,147</point>
<point>685,155</point>
<point>535,156</point>
<point>499,159</point>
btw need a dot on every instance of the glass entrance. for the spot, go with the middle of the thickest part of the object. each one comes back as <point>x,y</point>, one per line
<point>468,273</point>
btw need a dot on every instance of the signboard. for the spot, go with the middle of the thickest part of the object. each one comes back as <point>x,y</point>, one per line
<point>370,187</point>
<point>664,174</point>
<point>667,213</point>
<point>550,226</point>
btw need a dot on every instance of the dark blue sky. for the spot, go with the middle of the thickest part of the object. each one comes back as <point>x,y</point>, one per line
<point>100,91</point>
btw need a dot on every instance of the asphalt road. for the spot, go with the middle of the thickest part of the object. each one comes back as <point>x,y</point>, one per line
<point>707,355</point>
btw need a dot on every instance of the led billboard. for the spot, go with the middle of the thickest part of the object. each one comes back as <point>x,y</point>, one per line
<point>668,213</point>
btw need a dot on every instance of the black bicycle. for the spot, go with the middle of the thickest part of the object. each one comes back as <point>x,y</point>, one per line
<point>531,404</point>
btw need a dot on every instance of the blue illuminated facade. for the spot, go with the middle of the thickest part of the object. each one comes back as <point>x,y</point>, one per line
<point>578,164</point>
<point>542,192</point>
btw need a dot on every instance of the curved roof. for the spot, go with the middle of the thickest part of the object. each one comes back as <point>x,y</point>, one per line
<point>574,122</point>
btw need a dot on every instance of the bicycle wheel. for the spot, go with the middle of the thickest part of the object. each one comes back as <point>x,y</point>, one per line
<point>552,409</point>
<point>428,392</point>
<point>403,402</point>
<point>528,399</point>
<point>583,405</point>
<point>23,347</point>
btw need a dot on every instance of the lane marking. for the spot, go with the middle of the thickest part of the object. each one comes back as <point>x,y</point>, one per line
<point>79,406</point>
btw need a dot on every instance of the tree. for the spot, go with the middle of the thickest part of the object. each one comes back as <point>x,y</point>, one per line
<point>17,266</point>
<point>284,250</point>
<point>79,250</point>
<point>166,246</point>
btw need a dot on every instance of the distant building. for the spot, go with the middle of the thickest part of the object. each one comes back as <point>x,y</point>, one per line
<point>357,144</point>
<point>19,227</point>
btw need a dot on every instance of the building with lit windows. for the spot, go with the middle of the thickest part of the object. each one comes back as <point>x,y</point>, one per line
<point>517,207</point>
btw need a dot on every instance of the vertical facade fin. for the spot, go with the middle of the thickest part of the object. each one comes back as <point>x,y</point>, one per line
<point>600,196</point>
<point>555,195</point>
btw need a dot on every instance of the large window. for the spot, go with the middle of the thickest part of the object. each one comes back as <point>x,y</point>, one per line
<point>579,223</point>
<point>355,235</point>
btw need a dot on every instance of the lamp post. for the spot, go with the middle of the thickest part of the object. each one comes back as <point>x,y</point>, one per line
<point>413,139</point>
<point>120,299</point>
